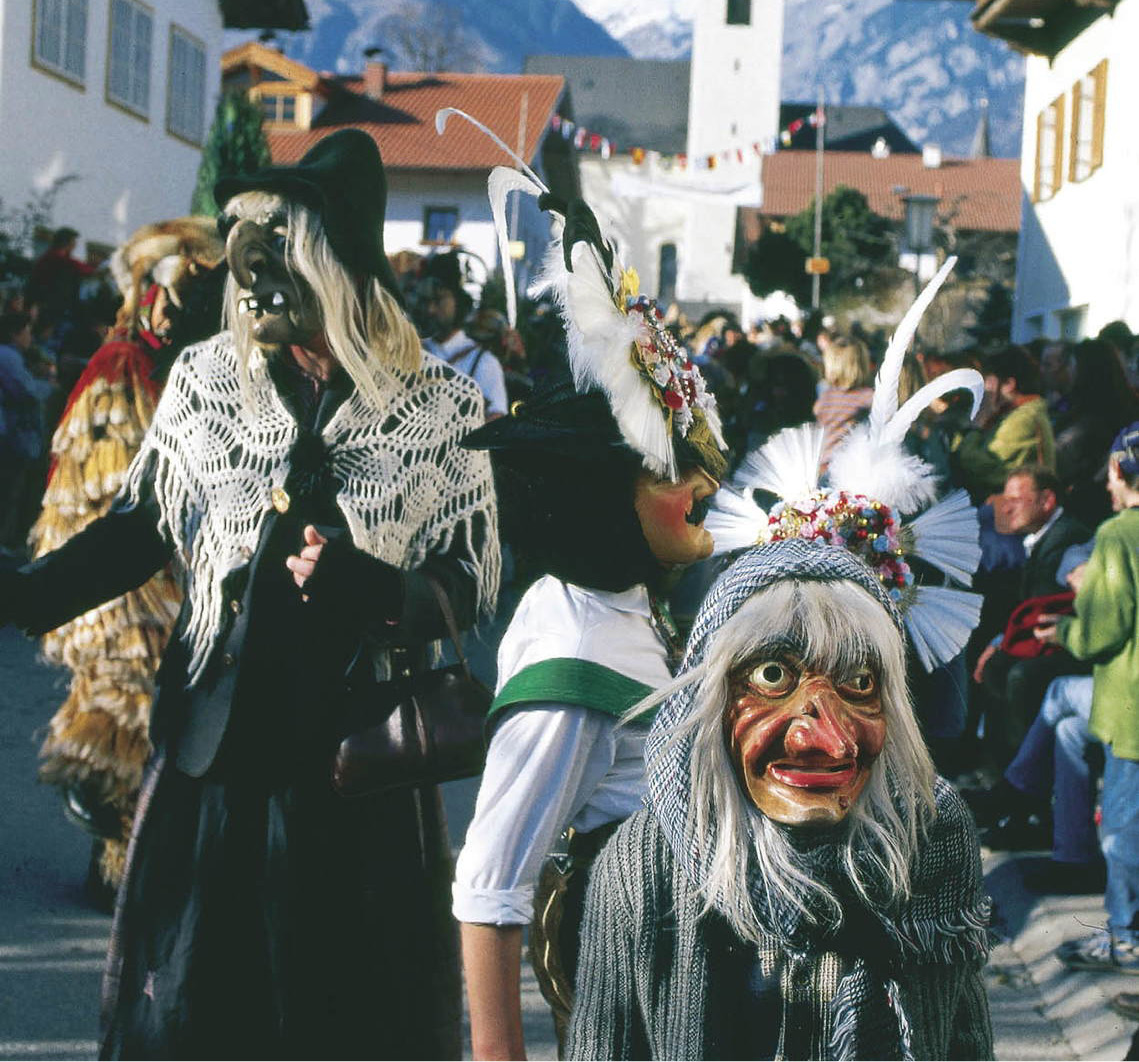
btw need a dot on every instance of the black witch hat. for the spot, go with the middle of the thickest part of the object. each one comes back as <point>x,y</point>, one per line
<point>342,179</point>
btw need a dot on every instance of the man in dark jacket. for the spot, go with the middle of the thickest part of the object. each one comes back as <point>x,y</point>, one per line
<point>1013,686</point>
<point>303,470</point>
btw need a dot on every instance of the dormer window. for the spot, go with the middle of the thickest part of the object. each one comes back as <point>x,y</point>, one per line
<point>278,108</point>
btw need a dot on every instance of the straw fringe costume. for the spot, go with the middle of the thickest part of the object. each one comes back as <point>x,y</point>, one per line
<point>98,736</point>
<point>97,742</point>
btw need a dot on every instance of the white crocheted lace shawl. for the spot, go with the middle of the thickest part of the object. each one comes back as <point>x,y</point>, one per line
<point>218,449</point>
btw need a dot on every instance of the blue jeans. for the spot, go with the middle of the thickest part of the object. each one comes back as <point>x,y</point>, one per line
<point>1119,833</point>
<point>1052,760</point>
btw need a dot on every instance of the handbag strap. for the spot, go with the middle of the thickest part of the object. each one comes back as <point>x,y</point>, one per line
<point>449,619</point>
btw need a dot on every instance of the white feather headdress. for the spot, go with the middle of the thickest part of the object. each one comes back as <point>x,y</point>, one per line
<point>615,340</point>
<point>871,481</point>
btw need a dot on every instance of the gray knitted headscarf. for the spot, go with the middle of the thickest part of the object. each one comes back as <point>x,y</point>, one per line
<point>946,917</point>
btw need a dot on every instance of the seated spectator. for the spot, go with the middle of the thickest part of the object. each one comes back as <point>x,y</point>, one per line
<point>1013,686</point>
<point>849,377</point>
<point>1015,429</point>
<point>1101,402</point>
<point>1052,775</point>
<point>1103,630</point>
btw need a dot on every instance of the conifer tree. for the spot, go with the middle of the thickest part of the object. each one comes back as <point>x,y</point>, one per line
<point>236,144</point>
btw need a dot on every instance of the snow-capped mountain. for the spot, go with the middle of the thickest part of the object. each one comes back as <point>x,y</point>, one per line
<point>473,34</point>
<point>920,60</point>
<point>660,30</point>
<point>923,62</point>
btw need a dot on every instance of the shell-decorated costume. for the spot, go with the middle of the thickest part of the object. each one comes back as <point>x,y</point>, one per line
<point>97,740</point>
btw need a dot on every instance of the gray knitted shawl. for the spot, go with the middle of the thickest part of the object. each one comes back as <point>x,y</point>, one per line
<point>936,926</point>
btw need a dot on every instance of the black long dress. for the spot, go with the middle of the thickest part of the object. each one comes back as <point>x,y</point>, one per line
<point>263,915</point>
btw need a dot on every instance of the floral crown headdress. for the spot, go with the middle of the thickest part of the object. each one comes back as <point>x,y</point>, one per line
<point>616,341</point>
<point>872,482</point>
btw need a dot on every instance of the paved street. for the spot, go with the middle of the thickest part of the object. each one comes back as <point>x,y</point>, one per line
<point>51,944</point>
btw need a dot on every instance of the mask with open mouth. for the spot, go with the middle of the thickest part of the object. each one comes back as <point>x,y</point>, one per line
<point>803,742</point>
<point>280,307</point>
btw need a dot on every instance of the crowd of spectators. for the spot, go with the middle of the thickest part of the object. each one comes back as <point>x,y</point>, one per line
<point>50,325</point>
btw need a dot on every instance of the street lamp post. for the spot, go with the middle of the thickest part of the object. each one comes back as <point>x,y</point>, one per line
<point>921,212</point>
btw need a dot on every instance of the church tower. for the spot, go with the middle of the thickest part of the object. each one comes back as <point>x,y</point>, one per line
<point>733,105</point>
<point>737,59</point>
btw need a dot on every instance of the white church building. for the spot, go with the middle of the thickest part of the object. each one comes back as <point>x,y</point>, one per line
<point>688,153</point>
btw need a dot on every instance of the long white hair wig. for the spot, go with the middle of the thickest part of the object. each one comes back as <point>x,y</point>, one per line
<point>367,332</point>
<point>835,627</point>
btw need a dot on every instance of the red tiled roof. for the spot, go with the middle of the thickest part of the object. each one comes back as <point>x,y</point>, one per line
<point>984,193</point>
<point>403,121</point>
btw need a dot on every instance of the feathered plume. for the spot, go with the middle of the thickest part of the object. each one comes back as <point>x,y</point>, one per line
<point>501,183</point>
<point>787,465</point>
<point>871,481</point>
<point>444,113</point>
<point>615,338</point>
<point>885,403</point>
<point>954,380</point>
<point>596,333</point>
<point>735,521</point>
<point>886,471</point>
<point>940,621</point>
<point>946,535</point>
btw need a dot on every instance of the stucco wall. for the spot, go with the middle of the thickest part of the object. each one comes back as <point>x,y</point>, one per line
<point>129,171</point>
<point>1080,248</point>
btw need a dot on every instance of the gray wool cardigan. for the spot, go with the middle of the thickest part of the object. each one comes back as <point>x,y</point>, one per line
<point>658,980</point>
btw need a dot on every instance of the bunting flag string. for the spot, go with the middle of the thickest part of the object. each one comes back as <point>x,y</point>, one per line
<point>586,140</point>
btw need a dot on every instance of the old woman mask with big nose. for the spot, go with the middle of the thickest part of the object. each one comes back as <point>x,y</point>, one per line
<point>804,741</point>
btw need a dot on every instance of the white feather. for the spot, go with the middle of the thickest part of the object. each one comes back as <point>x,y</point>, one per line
<point>598,341</point>
<point>787,464</point>
<point>734,521</point>
<point>954,380</point>
<point>502,182</point>
<point>444,113</point>
<point>885,403</point>
<point>885,472</point>
<point>940,621</point>
<point>946,535</point>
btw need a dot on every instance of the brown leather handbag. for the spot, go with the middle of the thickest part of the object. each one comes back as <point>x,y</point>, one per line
<point>417,728</point>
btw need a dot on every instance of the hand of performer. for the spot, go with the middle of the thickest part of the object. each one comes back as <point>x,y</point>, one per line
<point>986,655</point>
<point>302,565</point>
<point>1045,629</point>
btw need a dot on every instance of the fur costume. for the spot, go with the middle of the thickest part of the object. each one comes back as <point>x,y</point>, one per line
<point>97,739</point>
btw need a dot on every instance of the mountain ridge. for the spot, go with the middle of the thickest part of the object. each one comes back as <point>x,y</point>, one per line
<point>920,60</point>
